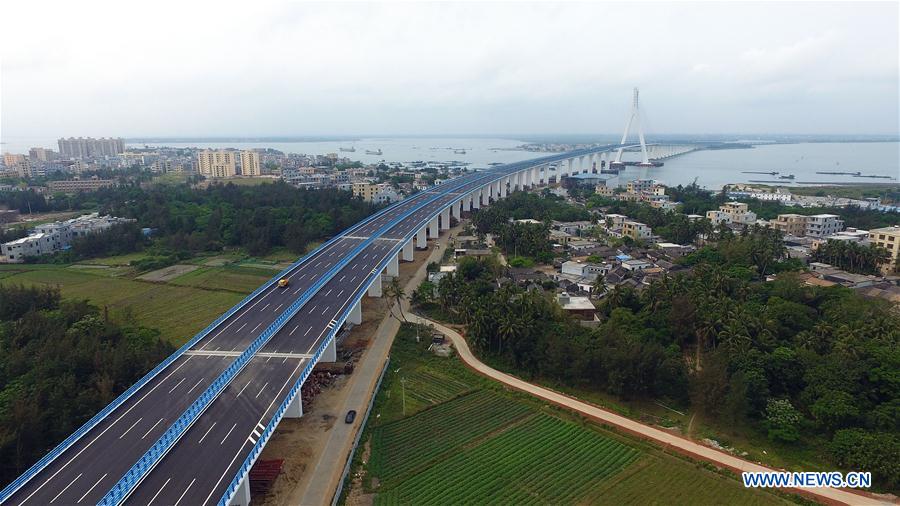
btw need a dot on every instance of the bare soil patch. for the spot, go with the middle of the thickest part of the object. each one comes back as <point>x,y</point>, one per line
<point>167,273</point>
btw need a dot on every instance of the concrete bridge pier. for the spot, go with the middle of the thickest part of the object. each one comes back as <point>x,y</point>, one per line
<point>330,353</point>
<point>242,496</point>
<point>421,239</point>
<point>476,200</point>
<point>570,163</point>
<point>433,228</point>
<point>455,210</point>
<point>375,287</point>
<point>445,219</point>
<point>295,408</point>
<point>467,203</point>
<point>536,176</point>
<point>393,266</point>
<point>355,316</point>
<point>408,251</point>
<point>503,184</point>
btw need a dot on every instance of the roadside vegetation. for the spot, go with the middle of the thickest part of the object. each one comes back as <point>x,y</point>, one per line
<point>185,220</point>
<point>61,361</point>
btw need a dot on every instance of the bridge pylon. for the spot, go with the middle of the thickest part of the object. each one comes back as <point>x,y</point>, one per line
<point>634,119</point>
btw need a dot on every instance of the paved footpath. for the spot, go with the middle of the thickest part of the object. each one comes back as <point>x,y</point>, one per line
<point>330,466</point>
<point>668,440</point>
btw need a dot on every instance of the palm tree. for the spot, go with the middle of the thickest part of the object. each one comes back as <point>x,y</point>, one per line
<point>508,327</point>
<point>479,330</point>
<point>395,291</point>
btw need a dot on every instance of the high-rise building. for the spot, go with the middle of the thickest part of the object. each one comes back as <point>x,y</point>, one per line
<point>18,163</point>
<point>88,147</point>
<point>41,154</point>
<point>219,163</point>
<point>250,163</point>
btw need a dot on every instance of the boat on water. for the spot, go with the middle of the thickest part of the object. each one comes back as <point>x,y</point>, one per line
<point>787,176</point>
<point>376,152</point>
<point>351,149</point>
<point>459,151</point>
<point>773,173</point>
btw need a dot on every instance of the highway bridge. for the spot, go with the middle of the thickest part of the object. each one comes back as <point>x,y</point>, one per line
<point>190,430</point>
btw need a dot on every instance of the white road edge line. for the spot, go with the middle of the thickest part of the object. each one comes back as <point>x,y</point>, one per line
<point>67,488</point>
<point>92,488</point>
<point>158,492</point>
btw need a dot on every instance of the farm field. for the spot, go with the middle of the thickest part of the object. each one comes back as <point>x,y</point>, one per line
<point>466,440</point>
<point>231,278</point>
<point>683,484</point>
<point>178,312</point>
<point>403,447</point>
<point>543,460</point>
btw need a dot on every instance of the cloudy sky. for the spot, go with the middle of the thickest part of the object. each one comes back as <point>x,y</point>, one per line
<point>255,68</point>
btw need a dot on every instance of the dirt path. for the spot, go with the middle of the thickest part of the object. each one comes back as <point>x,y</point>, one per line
<point>677,443</point>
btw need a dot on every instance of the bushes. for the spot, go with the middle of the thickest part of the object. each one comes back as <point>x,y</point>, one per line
<point>61,362</point>
<point>877,452</point>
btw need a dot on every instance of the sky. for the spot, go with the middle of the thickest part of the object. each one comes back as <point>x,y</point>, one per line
<point>256,68</point>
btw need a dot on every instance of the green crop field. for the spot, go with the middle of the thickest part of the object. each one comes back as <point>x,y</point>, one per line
<point>428,387</point>
<point>543,460</point>
<point>178,312</point>
<point>664,481</point>
<point>465,440</point>
<point>414,443</point>
<point>229,277</point>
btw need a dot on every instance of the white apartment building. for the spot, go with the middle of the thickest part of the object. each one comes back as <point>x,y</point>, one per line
<point>584,269</point>
<point>641,185</point>
<point>732,212</point>
<point>90,147</point>
<point>823,225</point>
<point>52,237</point>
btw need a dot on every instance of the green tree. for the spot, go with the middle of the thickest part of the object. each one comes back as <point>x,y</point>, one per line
<point>783,420</point>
